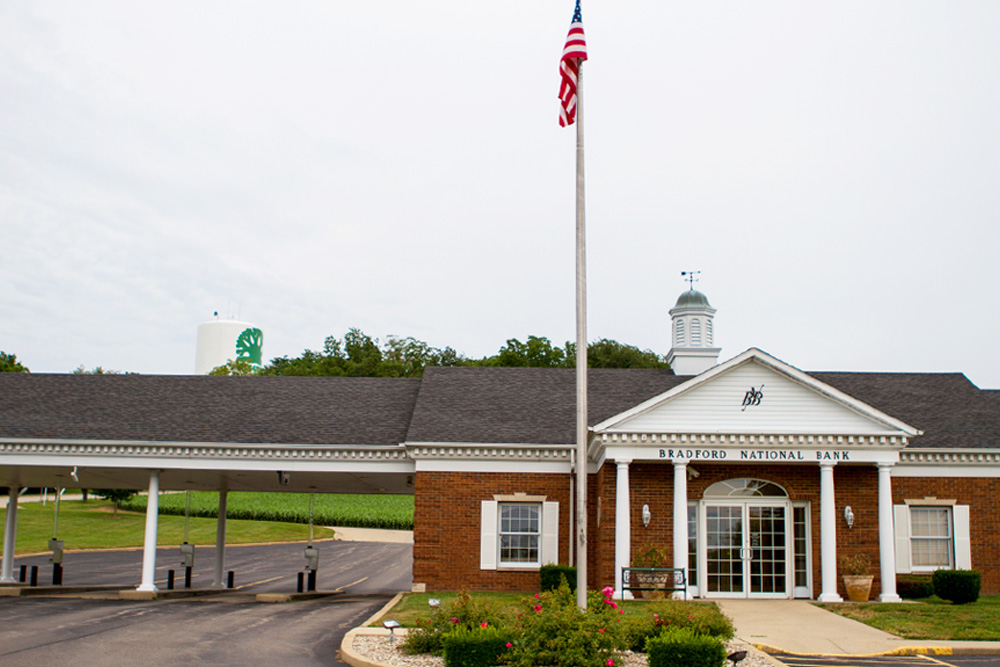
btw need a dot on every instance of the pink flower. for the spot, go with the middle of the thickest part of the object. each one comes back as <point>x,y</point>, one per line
<point>614,605</point>
<point>538,609</point>
<point>608,591</point>
<point>454,620</point>
<point>509,645</point>
<point>621,611</point>
<point>656,615</point>
<point>536,596</point>
<point>484,624</point>
<point>601,630</point>
<point>610,662</point>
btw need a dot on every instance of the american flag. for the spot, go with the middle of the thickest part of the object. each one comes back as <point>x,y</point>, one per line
<point>574,53</point>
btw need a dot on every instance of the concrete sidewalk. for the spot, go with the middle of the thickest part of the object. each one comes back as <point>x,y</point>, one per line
<point>800,627</point>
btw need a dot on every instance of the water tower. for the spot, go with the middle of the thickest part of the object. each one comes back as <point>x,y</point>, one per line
<point>221,341</point>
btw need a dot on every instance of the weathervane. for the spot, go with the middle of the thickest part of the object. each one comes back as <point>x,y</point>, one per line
<point>691,277</point>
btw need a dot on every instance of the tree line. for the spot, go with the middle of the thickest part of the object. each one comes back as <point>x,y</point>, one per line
<point>357,354</point>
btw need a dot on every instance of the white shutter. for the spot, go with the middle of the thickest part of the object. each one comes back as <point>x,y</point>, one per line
<point>488,535</point>
<point>960,526</point>
<point>550,532</point>
<point>901,533</point>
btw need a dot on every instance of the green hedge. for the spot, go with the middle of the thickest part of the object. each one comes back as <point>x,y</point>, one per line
<point>552,575</point>
<point>680,646</point>
<point>959,586</point>
<point>474,647</point>
<point>914,586</point>
<point>329,509</point>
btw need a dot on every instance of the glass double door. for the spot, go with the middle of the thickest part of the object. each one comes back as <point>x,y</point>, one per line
<point>748,550</point>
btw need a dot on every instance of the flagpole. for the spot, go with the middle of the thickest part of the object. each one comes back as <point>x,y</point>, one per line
<point>581,356</point>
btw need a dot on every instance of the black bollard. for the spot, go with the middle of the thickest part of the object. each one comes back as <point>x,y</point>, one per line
<point>312,580</point>
<point>187,576</point>
<point>231,579</point>
<point>170,580</point>
<point>34,575</point>
<point>57,572</point>
<point>24,573</point>
<point>302,582</point>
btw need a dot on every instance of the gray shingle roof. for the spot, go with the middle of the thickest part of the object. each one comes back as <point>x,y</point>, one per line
<point>947,407</point>
<point>475,405</point>
<point>280,410</point>
<point>523,405</point>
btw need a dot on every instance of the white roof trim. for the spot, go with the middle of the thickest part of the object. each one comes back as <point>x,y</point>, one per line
<point>778,366</point>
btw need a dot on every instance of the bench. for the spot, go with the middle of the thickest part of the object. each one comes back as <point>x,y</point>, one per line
<point>666,579</point>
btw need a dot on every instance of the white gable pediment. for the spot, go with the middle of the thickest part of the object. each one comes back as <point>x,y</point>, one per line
<point>755,393</point>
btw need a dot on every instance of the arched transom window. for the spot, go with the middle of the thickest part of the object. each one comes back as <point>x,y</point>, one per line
<point>745,488</point>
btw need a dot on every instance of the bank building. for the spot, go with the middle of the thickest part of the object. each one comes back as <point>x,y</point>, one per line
<point>751,475</point>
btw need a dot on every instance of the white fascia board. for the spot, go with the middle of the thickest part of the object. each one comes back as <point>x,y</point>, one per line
<point>778,366</point>
<point>218,464</point>
<point>489,466</point>
<point>186,443</point>
<point>948,462</point>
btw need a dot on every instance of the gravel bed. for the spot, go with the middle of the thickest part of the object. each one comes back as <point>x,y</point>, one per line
<point>380,649</point>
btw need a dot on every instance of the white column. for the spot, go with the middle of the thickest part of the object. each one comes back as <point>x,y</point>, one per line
<point>623,524</point>
<point>148,582</point>
<point>10,537</point>
<point>828,534</point>
<point>886,537</point>
<point>680,516</point>
<point>220,542</point>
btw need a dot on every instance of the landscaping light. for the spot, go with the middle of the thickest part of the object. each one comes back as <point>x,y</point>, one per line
<point>391,626</point>
<point>849,516</point>
<point>647,516</point>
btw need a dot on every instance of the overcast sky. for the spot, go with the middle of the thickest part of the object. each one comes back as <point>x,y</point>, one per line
<point>832,169</point>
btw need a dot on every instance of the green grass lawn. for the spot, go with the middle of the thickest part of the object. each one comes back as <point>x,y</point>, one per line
<point>931,618</point>
<point>414,606</point>
<point>93,525</point>
<point>329,509</point>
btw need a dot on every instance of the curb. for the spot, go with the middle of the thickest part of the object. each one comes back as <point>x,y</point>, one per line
<point>902,650</point>
<point>347,652</point>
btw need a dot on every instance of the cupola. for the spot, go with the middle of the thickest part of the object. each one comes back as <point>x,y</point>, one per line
<point>692,337</point>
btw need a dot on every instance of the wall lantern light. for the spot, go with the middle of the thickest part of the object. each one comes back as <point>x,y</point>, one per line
<point>849,516</point>
<point>646,515</point>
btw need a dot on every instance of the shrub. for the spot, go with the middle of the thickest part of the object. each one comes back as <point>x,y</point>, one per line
<point>913,587</point>
<point>551,575</point>
<point>959,586</point>
<point>679,646</point>
<point>465,611</point>
<point>698,617</point>
<point>552,630</point>
<point>475,647</point>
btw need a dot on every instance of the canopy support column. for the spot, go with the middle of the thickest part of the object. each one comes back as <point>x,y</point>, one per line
<point>152,524</point>
<point>10,537</point>
<point>220,542</point>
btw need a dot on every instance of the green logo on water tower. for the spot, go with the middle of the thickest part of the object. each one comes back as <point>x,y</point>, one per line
<point>248,346</point>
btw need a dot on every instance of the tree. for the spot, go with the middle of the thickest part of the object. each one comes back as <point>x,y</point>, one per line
<point>612,354</point>
<point>115,495</point>
<point>537,352</point>
<point>97,370</point>
<point>235,367</point>
<point>10,364</point>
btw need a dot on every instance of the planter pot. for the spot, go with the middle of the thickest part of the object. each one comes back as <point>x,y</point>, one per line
<point>858,587</point>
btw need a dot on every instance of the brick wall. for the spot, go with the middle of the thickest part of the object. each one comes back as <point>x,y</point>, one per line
<point>447,515</point>
<point>446,527</point>
<point>981,494</point>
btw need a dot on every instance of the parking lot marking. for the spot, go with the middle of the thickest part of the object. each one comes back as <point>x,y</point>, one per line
<point>351,584</point>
